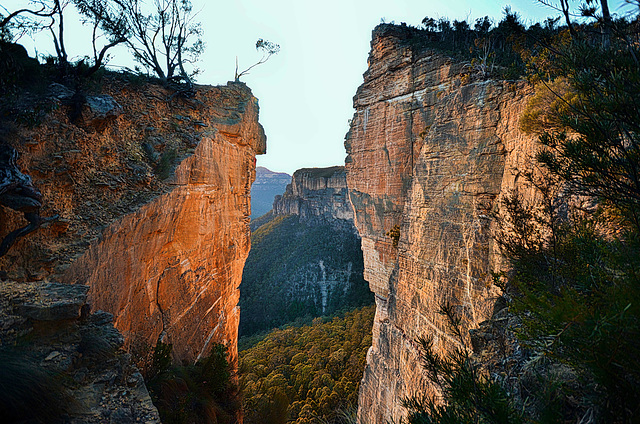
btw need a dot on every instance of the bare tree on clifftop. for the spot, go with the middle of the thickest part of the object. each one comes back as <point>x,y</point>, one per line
<point>164,39</point>
<point>40,15</point>
<point>108,17</point>
<point>267,48</point>
<point>105,17</point>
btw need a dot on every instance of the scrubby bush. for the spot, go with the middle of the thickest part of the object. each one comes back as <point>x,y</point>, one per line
<point>463,391</point>
<point>28,393</point>
<point>204,392</point>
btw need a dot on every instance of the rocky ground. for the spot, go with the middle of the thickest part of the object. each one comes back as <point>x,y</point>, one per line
<point>63,363</point>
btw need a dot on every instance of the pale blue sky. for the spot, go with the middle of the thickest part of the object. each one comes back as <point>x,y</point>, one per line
<point>305,91</point>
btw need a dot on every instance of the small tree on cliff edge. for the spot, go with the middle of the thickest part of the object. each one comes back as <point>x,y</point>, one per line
<point>106,18</point>
<point>267,48</point>
<point>467,394</point>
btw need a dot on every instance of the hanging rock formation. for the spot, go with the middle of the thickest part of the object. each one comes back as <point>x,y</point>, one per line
<point>429,158</point>
<point>154,207</point>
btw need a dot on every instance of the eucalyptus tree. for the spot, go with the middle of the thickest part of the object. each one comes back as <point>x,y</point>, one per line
<point>163,36</point>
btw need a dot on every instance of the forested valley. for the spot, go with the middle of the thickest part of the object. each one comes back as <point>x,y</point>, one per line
<point>561,343</point>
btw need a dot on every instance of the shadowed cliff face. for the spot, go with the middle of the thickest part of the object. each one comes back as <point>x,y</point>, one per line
<point>316,192</point>
<point>154,204</point>
<point>432,158</point>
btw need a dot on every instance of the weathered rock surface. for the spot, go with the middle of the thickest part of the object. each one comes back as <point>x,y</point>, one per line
<point>429,159</point>
<point>172,268</point>
<point>265,188</point>
<point>316,192</point>
<point>99,110</point>
<point>82,349</point>
<point>154,207</point>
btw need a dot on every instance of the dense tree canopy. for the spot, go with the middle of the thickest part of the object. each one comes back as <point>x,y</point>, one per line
<point>307,374</point>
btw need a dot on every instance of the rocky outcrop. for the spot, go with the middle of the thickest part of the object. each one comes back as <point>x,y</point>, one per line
<point>154,204</point>
<point>72,363</point>
<point>305,259</point>
<point>316,192</point>
<point>265,188</point>
<point>429,156</point>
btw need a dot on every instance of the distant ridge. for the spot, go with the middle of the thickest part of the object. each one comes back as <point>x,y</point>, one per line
<point>268,184</point>
<point>306,258</point>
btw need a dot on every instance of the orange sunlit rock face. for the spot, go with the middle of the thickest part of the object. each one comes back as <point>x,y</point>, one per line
<point>171,269</point>
<point>430,156</point>
<point>154,205</point>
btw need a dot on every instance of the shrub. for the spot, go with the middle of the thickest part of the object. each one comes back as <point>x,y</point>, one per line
<point>463,392</point>
<point>28,393</point>
<point>204,392</point>
<point>165,165</point>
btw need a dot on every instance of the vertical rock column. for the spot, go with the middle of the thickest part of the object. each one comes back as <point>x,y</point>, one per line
<point>394,108</point>
<point>428,159</point>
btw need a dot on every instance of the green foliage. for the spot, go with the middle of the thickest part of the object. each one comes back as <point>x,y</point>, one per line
<point>28,393</point>
<point>267,48</point>
<point>575,254</point>
<point>466,393</point>
<point>204,392</point>
<point>598,149</point>
<point>307,374</point>
<point>577,292</point>
<point>110,19</point>
<point>165,164</point>
<point>575,260</point>
<point>545,109</point>
<point>288,260</point>
<point>492,50</point>
<point>161,361</point>
<point>394,234</point>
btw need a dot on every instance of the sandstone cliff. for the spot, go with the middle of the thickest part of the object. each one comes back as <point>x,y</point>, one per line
<point>429,157</point>
<point>316,192</point>
<point>305,259</point>
<point>152,188</point>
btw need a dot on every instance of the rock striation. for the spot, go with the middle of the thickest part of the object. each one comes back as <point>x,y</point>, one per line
<point>171,269</point>
<point>316,193</point>
<point>153,191</point>
<point>430,154</point>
